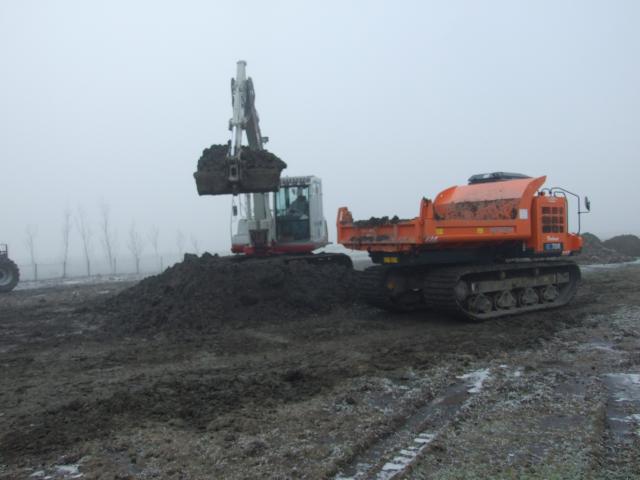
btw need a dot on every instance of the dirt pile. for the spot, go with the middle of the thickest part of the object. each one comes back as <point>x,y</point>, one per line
<point>202,293</point>
<point>594,251</point>
<point>259,171</point>
<point>625,244</point>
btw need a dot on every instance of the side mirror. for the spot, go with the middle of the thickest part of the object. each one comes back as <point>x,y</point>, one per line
<point>234,210</point>
<point>587,204</point>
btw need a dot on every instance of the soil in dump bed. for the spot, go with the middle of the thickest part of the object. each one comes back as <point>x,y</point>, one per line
<point>625,244</point>
<point>202,293</point>
<point>214,158</point>
<point>378,221</point>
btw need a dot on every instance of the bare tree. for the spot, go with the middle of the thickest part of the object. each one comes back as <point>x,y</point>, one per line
<point>30,242</point>
<point>180,243</point>
<point>154,236</point>
<point>194,245</point>
<point>86,235</point>
<point>109,238</point>
<point>66,230</point>
<point>136,245</point>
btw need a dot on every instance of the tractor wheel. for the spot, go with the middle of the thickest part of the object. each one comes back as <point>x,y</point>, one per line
<point>9,275</point>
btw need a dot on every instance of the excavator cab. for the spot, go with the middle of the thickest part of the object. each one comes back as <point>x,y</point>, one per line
<point>292,218</point>
<point>292,213</point>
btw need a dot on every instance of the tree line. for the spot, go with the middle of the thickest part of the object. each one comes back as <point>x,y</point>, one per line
<point>106,236</point>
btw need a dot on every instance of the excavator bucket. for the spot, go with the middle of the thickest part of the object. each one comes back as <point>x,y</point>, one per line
<point>255,171</point>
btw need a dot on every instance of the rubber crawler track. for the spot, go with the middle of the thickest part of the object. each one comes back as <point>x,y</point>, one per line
<point>371,286</point>
<point>438,286</point>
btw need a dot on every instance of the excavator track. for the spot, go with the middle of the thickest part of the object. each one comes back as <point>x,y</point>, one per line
<point>391,288</point>
<point>476,292</point>
<point>321,258</point>
<point>371,288</point>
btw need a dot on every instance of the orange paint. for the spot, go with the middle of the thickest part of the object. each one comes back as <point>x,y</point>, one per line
<point>482,214</point>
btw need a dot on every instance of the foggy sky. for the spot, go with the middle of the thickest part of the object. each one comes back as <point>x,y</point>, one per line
<point>113,102</point>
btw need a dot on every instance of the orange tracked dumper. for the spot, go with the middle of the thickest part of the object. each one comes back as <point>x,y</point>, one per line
<point>497,246</point>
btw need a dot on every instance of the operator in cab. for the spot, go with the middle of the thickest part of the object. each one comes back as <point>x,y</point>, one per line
<point>299,207</point>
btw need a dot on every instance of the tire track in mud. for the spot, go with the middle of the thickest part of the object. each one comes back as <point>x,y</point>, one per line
<point>393,455</point>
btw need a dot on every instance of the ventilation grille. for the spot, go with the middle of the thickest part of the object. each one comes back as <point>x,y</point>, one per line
<point>552,220</point>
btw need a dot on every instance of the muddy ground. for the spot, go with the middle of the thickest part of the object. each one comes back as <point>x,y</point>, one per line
<point>349,393</point>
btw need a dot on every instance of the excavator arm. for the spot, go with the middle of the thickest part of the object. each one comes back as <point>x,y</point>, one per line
<point>245,116</point>
<point>236,169</point>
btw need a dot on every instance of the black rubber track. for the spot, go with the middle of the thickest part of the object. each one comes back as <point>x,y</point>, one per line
<point>373,290</point>
<point>439,284</point>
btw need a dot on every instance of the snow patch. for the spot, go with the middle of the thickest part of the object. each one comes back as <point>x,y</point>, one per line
<point>476,379</point>
<point>627,386</point>
<point>70,471</point>
<point>607,266</point>
<point>405,457</point>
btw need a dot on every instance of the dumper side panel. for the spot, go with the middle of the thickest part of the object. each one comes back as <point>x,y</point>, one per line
<point>466,216</point>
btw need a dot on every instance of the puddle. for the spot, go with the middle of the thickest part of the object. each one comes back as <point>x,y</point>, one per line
<point>7,348</point>
<point>623,405</point>
<point>607,266</point>
<point>599,345</point>
<point>59,472</point>
<point>391,455</point>
<point>571,387</point>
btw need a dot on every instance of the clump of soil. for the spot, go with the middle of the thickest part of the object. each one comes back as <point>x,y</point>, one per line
<point>594,251</point>
<point>214,158</point>
<point>625,244</point>
<point>202,293</point>
<point>257,171</point>
<point>505,209</point>
<point>378,221</point>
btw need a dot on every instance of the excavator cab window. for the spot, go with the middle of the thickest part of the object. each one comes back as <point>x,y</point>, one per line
<point>292,214</point>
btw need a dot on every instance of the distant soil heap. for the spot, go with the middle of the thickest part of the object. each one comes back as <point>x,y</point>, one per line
<point>625,244</point>
<point>202,293</point>
<point>595,251</point>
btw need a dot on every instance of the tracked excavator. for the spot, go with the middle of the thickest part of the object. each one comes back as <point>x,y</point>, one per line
<point>9,272</point>
<point>271,215</point>
<point>497,246</point>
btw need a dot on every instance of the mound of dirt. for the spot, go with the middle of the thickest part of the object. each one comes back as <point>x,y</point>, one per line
<point>202,293</point>
<point>625,244</point>
<point>594,251</point>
